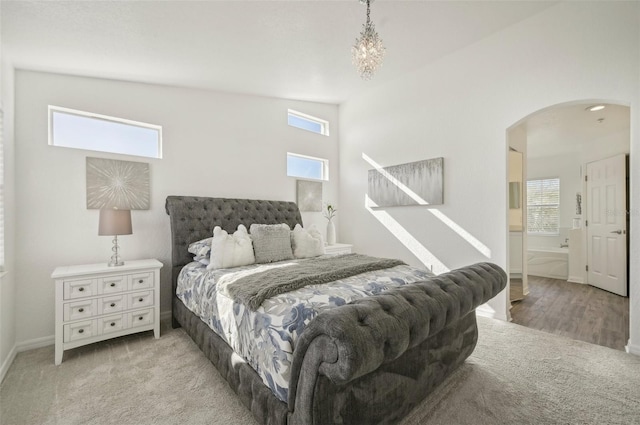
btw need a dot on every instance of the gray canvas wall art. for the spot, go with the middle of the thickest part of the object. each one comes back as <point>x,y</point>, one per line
<point>309,195</point>
<point>415,183</point>
<point>117,184</point>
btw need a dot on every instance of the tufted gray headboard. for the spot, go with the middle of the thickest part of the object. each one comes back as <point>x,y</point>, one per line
<point>193,218</point>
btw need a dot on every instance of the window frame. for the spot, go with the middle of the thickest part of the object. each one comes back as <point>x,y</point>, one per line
<point>324,124</point>
<point>323,161</point>
<point>557,205</point>
<point>107,118</point>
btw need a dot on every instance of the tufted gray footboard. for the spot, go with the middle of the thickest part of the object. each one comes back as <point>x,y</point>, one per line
<point>373,360</point>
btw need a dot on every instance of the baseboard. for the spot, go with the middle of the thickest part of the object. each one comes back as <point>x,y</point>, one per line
<point>575,279</point>
<point>7,363</point>
<point>491,314</point>
<point>633,349</point>
<point>31,344</point>
<point>515,275</point>
<point>550,276</point>
<point>50,340</point>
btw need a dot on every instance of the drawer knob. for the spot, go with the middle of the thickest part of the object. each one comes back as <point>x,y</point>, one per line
<point>113,323</point>
<point>140,281</point>
<point>112,284</point>
<point>81,289</point>
<point>81,310</point>
<point>140,318</point>
<point>140,299</point>
<point>80,331</point>
<point>112,304</point>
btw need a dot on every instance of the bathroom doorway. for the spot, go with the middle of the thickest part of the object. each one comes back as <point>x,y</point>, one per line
<point>559,257</point>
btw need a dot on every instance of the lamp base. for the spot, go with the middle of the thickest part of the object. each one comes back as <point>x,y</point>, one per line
<point>115,260</point>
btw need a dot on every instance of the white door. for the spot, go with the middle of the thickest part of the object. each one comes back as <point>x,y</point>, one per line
<point>607,224</point>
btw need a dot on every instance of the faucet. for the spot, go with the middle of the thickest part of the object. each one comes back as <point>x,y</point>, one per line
<point>565,244</point>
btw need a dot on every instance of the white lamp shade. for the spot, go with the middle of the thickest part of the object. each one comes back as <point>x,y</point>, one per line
<point>114,222</point>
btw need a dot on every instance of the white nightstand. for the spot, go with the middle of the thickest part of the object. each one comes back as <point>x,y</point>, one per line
<point>338,248</point>
<point>95,302</point>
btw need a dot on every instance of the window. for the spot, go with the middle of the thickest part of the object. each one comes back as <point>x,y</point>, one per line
<point>307,167</point>
<point>83,130</point>
<point>543,206</point>
<point>307,122</point>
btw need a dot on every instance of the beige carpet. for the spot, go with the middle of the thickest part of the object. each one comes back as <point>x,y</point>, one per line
<point>515,376</point>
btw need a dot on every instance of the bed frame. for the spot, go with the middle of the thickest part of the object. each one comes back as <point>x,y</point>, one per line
<point>370,361</point>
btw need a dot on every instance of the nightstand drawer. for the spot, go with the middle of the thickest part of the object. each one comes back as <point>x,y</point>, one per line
<point>79,288</point>
<point>141,281</point>
<point>140,299</point>
<point>111,284</point>
<point>141,318</point>
<point>111,304</point>
<point>79,310</point>
<point>79,330</point>
<point>112,324</point>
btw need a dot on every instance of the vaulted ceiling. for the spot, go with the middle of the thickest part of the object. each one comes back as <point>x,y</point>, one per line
<point>288,49</point>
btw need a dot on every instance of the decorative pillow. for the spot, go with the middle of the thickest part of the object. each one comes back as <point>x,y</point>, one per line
<point>230,251</point>
<point>306,242</point>
<point>201,249</point>
<point>271,242</point>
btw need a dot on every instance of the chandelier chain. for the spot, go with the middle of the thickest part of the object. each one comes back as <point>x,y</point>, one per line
<point>368,13</point>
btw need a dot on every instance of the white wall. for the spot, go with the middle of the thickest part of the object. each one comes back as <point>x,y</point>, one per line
<point>634,250</point>
<point>460,108</point>
<point>215,144</point>
<point>7,282</point>
<point>568,168</point>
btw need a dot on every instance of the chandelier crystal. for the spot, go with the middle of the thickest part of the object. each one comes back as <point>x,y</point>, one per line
<point>368,51</point>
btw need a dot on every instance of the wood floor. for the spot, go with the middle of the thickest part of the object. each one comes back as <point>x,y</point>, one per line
<point>577,311</point>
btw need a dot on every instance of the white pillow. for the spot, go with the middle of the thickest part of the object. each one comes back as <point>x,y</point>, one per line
<point>306,242</point>
<point>231,251</point>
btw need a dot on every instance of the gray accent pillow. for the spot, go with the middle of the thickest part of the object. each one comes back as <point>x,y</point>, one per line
<point>271,242</point>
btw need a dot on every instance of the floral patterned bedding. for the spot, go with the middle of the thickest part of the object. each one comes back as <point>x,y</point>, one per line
<point>266,338</point>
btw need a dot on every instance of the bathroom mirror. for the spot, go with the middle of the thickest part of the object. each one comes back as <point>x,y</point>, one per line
<point>514,195</point>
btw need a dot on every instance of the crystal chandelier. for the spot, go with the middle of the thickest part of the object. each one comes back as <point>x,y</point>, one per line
<point>368,51</point>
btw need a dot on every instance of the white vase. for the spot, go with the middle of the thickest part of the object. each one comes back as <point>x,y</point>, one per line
<point>331,233</point>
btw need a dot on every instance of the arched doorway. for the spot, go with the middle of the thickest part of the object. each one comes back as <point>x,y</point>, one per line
<point>555,257</point>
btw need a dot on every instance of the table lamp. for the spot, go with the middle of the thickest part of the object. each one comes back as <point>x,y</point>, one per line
<point>114,222</point>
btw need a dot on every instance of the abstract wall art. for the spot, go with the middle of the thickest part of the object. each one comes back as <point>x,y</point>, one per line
<point>415,183</point>
<point>309,195</point>
<point>117,184</point>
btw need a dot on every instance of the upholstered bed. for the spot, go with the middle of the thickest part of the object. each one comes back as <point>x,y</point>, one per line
<point>368,361</point>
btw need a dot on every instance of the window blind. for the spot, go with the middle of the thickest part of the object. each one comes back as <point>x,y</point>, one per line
<point>543,206</point>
